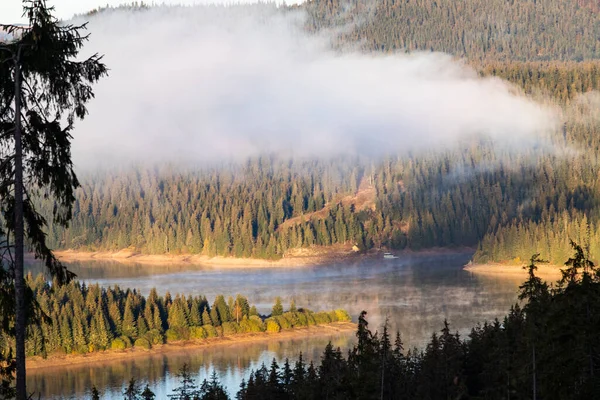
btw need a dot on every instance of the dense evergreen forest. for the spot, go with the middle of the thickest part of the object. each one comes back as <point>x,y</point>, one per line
<point>547,348</point>
<point>79,319</point>
<point>517,30</point>
<point>506,204</point>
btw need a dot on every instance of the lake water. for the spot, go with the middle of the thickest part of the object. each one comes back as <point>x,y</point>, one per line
<point>416,294</point>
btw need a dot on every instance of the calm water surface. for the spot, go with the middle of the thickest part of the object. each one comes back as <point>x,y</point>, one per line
<point>416,294</point>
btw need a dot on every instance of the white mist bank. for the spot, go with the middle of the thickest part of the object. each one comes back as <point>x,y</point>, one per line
<point>208,84</point>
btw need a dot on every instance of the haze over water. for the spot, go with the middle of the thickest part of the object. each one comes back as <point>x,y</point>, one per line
<point>416,293</point>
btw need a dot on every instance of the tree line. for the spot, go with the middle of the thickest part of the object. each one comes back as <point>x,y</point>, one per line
<point>472,195</point>
<point>77,318</point>
<point>546,347</point>
<point>518,30</point>
<point>44,89</point>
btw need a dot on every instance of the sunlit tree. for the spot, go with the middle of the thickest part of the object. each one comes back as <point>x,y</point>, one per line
<point>43,89</point>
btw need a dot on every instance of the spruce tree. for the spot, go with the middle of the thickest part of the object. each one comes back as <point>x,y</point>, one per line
<point>206,320</point>
<point>129,325</point>
<point>95,393</point>
<point>147,394</point>
<point>132,391</point>
<point>42,86</point>
<point>277,308</point>
<point>212,390</point>
<point>187,388</point>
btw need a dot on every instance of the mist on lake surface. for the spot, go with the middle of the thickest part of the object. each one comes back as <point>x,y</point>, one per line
<point>416,294</point>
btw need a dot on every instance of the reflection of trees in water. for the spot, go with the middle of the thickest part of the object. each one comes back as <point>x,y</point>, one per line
<point>114,269</point>
<point>233,360</point>
<point>416,294</point>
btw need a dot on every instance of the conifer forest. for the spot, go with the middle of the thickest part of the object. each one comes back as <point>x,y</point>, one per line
<point>380,137</point>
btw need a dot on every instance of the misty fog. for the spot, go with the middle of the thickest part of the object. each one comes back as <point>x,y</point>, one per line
<point>192,84</point>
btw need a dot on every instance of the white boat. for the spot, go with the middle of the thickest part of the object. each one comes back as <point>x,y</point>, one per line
<point>389,256</point>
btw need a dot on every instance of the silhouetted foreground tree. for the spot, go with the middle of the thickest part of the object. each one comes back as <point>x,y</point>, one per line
<point>188,390</point>
<point>43,88</point>
<point>546,349</point>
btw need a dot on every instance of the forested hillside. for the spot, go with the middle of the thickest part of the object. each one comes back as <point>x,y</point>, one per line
<point>507,204</point>
<point>524,30</point>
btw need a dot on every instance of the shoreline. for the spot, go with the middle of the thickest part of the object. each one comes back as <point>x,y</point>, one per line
<point>294,258</point>
<point>108,356</point>
<point>299,258</point>
<point>544,271</point>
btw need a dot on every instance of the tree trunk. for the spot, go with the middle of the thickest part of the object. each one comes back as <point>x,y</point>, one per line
<point>534,375</point>
<point>19,247</point>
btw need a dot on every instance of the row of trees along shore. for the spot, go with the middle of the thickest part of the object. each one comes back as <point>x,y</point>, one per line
<point>79,319</point>
<point>545,348</point>
<point>421,201</point>
<point>507,205</point>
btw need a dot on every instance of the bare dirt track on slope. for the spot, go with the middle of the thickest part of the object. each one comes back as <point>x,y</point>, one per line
<point>364,199</point>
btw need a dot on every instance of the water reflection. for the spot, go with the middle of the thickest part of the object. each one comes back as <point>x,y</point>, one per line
<point>415,293</point>
<point>231,363</point>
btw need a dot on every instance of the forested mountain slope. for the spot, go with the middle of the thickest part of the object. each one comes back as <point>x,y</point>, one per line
<point>507,204</point>
<point>524,30</point>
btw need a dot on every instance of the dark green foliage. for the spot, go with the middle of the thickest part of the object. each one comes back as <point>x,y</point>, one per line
<point>548,349</point>
<point>511,30</point>
<point>95,393</point>
<point>508,205</point>
<point>132,391</point>
<point>188,389</point>
<point>79,323</point>
<point>277,308</point>
<point>212,389</point>
<point>44,87</point>
<point>147,394</point>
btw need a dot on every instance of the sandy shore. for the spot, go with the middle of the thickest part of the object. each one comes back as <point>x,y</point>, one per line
<point>113,355</point>
<point>293,258</point>
<point>549,273</point>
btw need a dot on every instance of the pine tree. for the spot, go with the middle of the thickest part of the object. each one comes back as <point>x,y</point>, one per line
<point>206,320</point>
<point>277,308</point>
<point>214,317</point>
<point>66,334</point>
<point>221,306</point>
<point>116,319</point>
<point>147,394</point>
<point>47,86</point>
<point>195,314</point>
<point>132,391</point>
<point>187,389</point>
<point>95,393</point>
<point>212,390</point>
<point>129,325</point>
